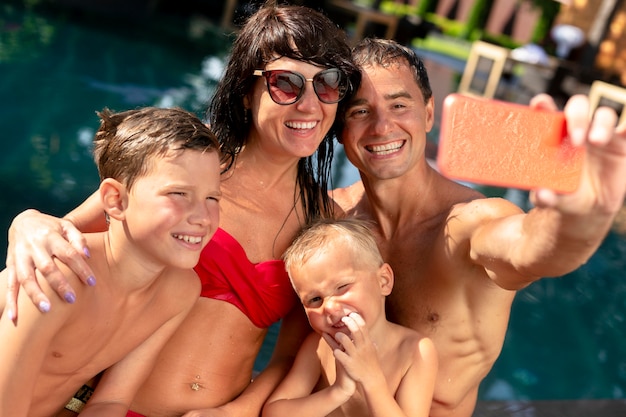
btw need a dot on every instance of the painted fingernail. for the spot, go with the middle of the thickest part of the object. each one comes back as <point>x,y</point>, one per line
<point>69,297</point>
<point>10,315</point>
<point>86,252</point>
<point>91,281</point>
<point>44,306</point>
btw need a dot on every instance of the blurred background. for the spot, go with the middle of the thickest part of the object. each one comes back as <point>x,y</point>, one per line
<point>61,61</point>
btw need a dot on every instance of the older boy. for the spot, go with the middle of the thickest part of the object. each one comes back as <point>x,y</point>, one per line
<point>160,190</point>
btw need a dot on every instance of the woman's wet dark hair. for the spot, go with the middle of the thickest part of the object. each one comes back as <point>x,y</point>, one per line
<point>295,32</point>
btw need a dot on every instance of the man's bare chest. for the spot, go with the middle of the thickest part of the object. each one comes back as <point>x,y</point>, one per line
<point>413,301</point>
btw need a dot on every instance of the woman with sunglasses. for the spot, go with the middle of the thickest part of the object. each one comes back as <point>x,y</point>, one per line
<point>273,113</point>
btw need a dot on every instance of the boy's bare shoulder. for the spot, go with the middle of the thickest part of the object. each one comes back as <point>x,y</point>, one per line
<point>413,346</point>
<point>182,284</point>
<point>422,347</point>
<point>407,334</point>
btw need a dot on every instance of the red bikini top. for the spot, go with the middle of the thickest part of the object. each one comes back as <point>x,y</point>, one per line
<point>261,291</point>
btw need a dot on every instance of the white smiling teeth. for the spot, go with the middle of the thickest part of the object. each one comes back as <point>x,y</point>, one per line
<point>189,239</point>
<point>301,125</point>
<point>385,149</point>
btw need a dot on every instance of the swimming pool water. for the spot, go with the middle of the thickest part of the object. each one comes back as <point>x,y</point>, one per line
<point>57,70</point>
<point>567,336</point>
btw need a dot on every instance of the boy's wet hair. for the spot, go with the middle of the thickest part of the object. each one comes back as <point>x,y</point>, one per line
<point>126,141</point>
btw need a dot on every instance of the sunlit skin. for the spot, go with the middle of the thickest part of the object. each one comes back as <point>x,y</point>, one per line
<point>389,115</point>
<point>157,230</point>
<point>458,258</point>
<point>265,167</point>
<point>357,363</point>
<point>288,130</point>
<point>329,294</point>
<point>275,179</point>
<point>209,361</point>
<point>390,111</point>
<point>166,194</point>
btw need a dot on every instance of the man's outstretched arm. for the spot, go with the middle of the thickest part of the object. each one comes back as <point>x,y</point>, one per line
<point>562,231</point>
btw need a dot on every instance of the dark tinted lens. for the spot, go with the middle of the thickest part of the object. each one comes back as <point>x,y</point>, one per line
<point>330,85</point>
<point>285,86</point>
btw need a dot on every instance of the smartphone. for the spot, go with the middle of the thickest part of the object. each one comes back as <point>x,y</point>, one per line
<point>492,142</point>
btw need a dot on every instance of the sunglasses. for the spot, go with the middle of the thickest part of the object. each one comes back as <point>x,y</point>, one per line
<point>287,87</point>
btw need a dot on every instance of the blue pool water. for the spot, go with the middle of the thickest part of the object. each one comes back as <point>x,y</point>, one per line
<point>567,337</point>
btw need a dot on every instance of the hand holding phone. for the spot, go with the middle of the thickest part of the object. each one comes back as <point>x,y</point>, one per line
<point>504,144</point>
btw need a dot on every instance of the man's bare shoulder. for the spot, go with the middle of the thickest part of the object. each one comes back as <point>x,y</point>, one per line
<point>466,217</point>
<point>484,208</point>
<point>349,198</point>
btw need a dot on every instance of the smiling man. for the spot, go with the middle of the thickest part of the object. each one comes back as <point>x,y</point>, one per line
<point>459,257</point>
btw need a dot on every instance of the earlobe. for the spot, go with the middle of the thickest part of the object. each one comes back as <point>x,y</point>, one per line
<point>386,279</point>
<point>114,199</point>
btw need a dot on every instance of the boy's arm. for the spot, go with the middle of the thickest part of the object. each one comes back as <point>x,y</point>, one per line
<point>294,396</point>
<point>416,390</point>
<point>36,238</point>
<point>24,346</point>
<point>118,385</point>
<point>563,231</point>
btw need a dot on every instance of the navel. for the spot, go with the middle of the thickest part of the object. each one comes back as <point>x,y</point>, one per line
<point>196,386</point>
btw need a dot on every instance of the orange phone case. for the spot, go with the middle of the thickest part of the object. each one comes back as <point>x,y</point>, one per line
<point>493,142</point>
